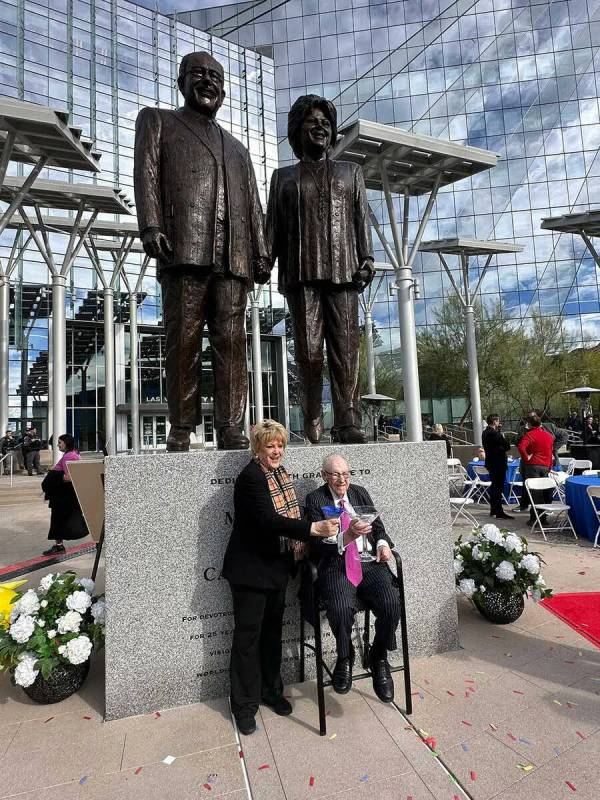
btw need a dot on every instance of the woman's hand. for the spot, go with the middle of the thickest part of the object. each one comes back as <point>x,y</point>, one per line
<point>324,528</point>
<point>300,550</point>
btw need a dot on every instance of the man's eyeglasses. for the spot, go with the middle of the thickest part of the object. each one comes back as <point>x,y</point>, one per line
<point>337,475</point>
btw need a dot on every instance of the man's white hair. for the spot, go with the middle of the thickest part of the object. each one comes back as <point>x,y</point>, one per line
<point>326,465</point>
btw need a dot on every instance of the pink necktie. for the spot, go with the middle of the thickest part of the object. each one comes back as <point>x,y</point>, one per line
<point>353,566</point>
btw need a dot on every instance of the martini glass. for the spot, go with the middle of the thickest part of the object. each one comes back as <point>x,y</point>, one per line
<point>331,512</point>
<point>366,514</point>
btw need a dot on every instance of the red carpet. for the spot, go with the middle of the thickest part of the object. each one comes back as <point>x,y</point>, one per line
<point>581,611</point>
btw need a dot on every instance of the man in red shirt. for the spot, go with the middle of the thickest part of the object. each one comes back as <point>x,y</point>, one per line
<point>536,461</point>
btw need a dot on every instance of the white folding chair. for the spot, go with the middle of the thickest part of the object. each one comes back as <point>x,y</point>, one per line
<point>567,464</point>
<point>595,472</point>
<point>559,478</point>
<point>594,495</point>
<point>481,485</point>
<point>458,505</point>
<point>516,483</point>
<point>561,510</point>
<point>458,477</point>
<point>581,464</point>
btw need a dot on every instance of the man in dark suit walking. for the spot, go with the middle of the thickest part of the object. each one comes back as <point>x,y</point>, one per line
<point>199,214</point>
<point>318,228</point>
<point>496,447</point>
<point>343,579</point>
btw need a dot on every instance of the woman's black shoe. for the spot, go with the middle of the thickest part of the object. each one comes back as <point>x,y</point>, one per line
<point>280,706</point>
<point>246,724</point>
<point>54,550</point>
<point>503,515</point>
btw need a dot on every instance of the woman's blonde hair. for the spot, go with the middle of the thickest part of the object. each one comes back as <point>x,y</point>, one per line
<point>437,428</point>
<point>265,432</point>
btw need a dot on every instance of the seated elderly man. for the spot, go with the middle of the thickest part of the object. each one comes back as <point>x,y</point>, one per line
<point>343,579</point>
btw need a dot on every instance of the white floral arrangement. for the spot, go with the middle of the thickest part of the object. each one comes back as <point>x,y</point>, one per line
<point>497,560</point>
<point>60,622</point>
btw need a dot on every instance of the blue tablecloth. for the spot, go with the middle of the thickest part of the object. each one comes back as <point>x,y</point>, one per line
<point>581,513</point>
<point>511,470</point>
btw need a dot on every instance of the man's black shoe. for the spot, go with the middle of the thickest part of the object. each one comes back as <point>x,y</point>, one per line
<point>503,515</point>
<point>342,674</point>
<point>280,706</point>
<point>232,438</point>
<point>178,440</point>
<point>54,550</point>
<point>382,679</point>
<point>246,724</point>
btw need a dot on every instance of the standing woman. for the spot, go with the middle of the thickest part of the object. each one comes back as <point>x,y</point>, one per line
<point>257,565</point>
<point>66,519</point>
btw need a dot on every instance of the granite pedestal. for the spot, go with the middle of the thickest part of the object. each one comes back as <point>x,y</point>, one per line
<point>168,521</point>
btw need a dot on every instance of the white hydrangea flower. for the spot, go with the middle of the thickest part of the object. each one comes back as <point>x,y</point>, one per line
<point>482,589</point>
<point>46,582</point>
<point>14,614</point>
<point>477,553</point>
<point>99,611</point>
<point>28,604</point>
<point>540,582</point>
<point>536,595</point>
<point>505,571</point>
<point>492,534</point>
<point>44,604</point>
<point>531,563</point>
<point>458,568</point>
<point>79,601</point>
<point>87,583</point>
<point>25,674</point>
<point>62,649</point>
<point>51,634</point>
<point>513,544</point>
<point>77,650</point>
<point>69,622</point>
<point>22,629</point>
<point>41,622</point>
<point>467,587</point>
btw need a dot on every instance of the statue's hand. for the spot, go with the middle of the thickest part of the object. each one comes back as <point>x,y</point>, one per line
<point>156,244</point>
<point>363,277</point>
<point>262,271</point>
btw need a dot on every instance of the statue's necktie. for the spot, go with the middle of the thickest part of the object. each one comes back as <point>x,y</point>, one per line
<point>353,566</point>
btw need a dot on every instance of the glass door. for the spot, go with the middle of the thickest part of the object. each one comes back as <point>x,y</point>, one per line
<point>154,432</point>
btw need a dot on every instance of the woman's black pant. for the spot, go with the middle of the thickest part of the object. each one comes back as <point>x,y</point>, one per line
<point>255,669</point>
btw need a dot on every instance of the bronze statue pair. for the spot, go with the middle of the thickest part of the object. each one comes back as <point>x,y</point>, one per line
<point>200,216</point>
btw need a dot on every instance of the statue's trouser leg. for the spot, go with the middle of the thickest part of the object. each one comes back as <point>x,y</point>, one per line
<point>342,338</point>
<point>226,317</point>
<point>184,297</point>
<point>304,303</point>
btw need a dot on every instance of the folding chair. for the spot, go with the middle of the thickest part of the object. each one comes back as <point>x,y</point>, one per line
<point>482,484</point>
<point>579,464</point>
<point>309,579</point>
<point>595,472</point>
<point>567,464</point>
<point>459,504</point>
<point>594,495</point>
<point>559,478</point>
<point>458,477</point>
<point>516,483</point>
<point>541,509</point>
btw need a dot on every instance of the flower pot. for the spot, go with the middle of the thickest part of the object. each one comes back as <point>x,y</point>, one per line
<point>499,608</point>
<point>63,681</point>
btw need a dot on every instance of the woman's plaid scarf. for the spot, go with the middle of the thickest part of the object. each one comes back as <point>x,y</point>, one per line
<point>283,497</point>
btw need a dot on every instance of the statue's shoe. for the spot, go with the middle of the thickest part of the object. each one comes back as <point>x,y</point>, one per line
<point>313,430</point>
<point>178,440</point>
<point>350,434</point>
<point>232,439</point>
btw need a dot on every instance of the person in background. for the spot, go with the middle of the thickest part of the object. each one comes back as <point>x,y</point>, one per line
<point>560,435</point>
<point>32,445</point>
<point>66,518</point>
<point>537,458</point>
<point>267,532</point>
<point>480,454</point>
<point>573,423</point>
<point>496,447</point>
<point>438,435</point>
<point>7,446</point>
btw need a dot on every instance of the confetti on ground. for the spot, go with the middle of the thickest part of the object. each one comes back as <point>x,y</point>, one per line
<point>492,726</point>
<point>450,693</point>
<point>467,694</point>
<point>82,780</point>
<point>241,753</point>
<point>569,662</point>
<point>423,733</point>
<point>333,735</point>
<point>525,741</point>
<point>581,735</point>
<point>138,770</point>
<point>473,775</point>
<point>421,696</point>
<point>431,742</point>
<point>207,786</point>
<point>212,777</point>
<point>86,717</point>
<point>581,573</point>
<point>311,781</point>
<point>526,767</point>
<point>556,751</point>
<point>48,720</point>
<point>472,689</point>
<point>495,637</point>
<point>511,736</point>
<point>558,703</point>
<point>469,680</point>
<point>264,766</point>
<point>517,691</point>
<point>168,760</point>
<point>364,778</point>
<point>465,746</point>
<point>570,785</point>
<point>157,714</point>
<point>466,722</point>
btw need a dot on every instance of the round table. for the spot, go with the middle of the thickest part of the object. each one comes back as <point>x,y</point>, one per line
<point>511,470</point>
<point>581,512</point>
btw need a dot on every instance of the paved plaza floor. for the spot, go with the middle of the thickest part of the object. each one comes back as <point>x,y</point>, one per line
<point>513,715</point>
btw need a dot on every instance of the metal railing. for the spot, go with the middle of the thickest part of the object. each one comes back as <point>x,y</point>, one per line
<point>10,455</point>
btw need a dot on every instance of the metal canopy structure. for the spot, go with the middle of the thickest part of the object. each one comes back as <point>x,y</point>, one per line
<point>36,135</point>
<point>586,225</point>
<point>68,196</point>
<point>466,249</point>
<point>367,300</point>
<point>408,164</point>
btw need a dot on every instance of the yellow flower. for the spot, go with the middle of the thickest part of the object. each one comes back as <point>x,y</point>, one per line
<point>7,595</point>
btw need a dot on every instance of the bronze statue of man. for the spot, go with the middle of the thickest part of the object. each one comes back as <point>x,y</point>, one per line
<point>318,227</point>
<point>199,214</point>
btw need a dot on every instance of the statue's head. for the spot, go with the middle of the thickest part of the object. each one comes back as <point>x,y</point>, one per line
<point>312,126</point>
<point>201,80</point>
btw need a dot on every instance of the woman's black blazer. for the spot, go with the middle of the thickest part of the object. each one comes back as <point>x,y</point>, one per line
<point>252,557</point>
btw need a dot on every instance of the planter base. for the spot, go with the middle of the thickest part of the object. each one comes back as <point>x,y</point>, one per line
<point>499,608</point>
<point>64,681</point>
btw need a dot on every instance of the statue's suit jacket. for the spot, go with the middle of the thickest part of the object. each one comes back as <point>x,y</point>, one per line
<point>175,180</point>
<point>350,229</point>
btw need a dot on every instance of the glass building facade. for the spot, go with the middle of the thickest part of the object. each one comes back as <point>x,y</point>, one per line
<point>102,61</point>
<point>518,77</point>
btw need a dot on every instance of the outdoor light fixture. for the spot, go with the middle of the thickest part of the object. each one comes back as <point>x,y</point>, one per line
<point>375,400</point>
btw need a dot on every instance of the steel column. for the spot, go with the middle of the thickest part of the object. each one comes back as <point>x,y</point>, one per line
<point>59,361</point>
<point>256,360</point>
<point>50,374</point>
<point>370,354</point>
<point>133,370</point>
<point>471,341</point>
<point>109,371</point>
<point>4,312</point>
